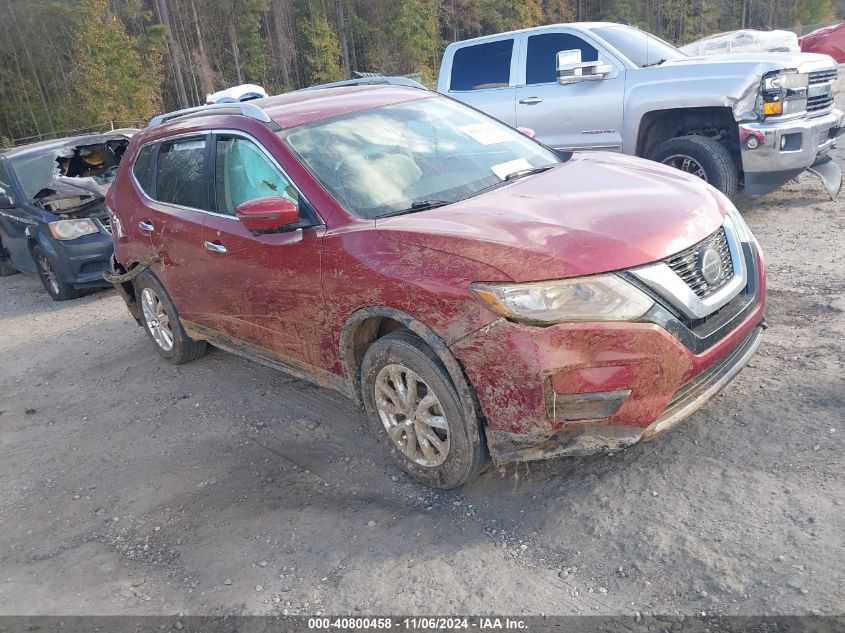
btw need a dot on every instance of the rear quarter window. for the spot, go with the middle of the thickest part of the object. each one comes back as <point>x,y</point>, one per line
<point>142,169</point>
<point>482,66</point>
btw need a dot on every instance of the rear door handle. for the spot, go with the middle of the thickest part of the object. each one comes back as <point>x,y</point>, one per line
<point>146,227</point>
<point>214,247</point>
<point>531,100</point>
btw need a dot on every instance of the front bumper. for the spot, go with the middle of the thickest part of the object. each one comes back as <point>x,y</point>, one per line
<point>82,262</point>
<point>773,153</point>
<point>636,380</point>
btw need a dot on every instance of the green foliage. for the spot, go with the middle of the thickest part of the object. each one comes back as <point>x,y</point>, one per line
<point>322,57</point>
<point>112,81</point>
<point>70,64</point>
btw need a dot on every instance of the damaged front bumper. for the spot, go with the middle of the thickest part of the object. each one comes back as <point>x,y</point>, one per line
<point>775,152</point>
<point>590,439</point>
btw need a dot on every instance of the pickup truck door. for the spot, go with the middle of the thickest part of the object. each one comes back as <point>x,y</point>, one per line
<point>484,76</point>
<point>584,115</point>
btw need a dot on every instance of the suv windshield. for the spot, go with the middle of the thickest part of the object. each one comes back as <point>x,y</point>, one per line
<point>413,156</point>
<point>642,48</point>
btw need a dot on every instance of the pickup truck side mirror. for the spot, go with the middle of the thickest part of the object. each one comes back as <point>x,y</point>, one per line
<point>6,201</point>
<point>571,70</point>
<point>272,213</point>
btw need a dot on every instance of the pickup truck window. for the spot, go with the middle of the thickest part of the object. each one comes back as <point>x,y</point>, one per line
<point>542,55</point>
<point>482,66</point>
<point>643,49</point>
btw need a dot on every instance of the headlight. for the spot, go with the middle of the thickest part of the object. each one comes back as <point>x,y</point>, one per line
<point>740,227</point>
<point>71,229</point>
<point>784,92</point>
<point>598,298</point>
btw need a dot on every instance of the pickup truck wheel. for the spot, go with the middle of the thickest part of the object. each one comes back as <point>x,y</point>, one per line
<point>414,406</point>
<point>162,324</point>
<point>57,289</point>
<point>702,157</point>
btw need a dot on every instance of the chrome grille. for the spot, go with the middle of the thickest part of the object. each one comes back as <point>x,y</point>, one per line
<point>821,76</point>
<point>685,264</point>
<point>820,102</point>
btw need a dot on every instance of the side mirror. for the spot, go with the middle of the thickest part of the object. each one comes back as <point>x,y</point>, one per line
<point>571,70</point>
<point>267,214</point>
<point>527,131</point>
<point>6,201</point>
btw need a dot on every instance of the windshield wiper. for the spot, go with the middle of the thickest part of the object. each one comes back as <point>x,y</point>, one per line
<point>657,63</point>
<point>527,172</point>
<point>419,205</point>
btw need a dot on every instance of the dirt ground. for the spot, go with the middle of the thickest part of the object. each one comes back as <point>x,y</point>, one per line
<point>223,487</point>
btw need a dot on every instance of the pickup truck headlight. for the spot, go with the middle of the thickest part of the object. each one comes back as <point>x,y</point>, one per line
<point>71,229</point>
<point>596,298</point>
<point>784,92</point>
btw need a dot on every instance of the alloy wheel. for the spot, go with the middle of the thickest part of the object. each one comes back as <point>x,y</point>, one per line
<point>412,415</point>
<point>157,319</point>
<point>687,164</point>
<point>48,274</point>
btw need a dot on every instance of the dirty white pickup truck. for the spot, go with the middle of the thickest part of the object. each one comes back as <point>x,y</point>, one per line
<point>753,120</point>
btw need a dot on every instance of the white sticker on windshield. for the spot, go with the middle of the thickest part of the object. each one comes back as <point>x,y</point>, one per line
<point>503,170</point>
<point>487,134</point>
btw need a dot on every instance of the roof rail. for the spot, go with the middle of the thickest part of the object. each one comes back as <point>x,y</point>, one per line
<point>243,108</point>
<point>368,81</point>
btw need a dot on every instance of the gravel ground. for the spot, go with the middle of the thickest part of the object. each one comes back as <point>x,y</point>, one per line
<point>223,487</point>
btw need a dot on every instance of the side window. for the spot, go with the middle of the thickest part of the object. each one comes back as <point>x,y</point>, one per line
<point>180,174</point>
<point>244,173</point>
<point>542,55</point>
<point>482,66</point>
<point>143,168</point>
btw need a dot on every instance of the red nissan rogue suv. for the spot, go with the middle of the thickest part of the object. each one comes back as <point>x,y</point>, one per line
<point>478,294</point>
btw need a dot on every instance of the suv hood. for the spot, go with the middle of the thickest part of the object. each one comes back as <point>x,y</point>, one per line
<point>595,213</point>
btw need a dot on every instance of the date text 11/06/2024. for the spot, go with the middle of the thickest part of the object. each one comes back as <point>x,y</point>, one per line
<point>416,623</point>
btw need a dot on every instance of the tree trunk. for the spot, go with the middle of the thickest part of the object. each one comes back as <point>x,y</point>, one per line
<point>344,44</point>
<point>233,43</point>
<point>173,49</point>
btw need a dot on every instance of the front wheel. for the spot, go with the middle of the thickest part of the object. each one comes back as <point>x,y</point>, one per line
<point>415,407</point>
<point>702,157</point>
<point>162,324</point>
<point>57,289</point>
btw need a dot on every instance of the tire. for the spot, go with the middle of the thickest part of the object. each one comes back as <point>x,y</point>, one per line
<point>400,358</point>
<point>58,289</point>
<point>717,167</point>
<point>161,322</point>
<point>6,270</point>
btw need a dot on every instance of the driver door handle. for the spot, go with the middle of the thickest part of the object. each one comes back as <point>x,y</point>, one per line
<point>531,100</point>
<point>214,247</point>
<point>146,227</point>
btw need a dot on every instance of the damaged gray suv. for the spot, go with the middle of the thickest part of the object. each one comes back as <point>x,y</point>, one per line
<point>53,221</point>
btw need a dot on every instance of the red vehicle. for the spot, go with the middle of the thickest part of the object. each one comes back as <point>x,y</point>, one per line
<point>477,293</point>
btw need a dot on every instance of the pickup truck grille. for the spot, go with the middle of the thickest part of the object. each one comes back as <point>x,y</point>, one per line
<point>685,264</point>
<point>819,102</point>
<point>822,76</point>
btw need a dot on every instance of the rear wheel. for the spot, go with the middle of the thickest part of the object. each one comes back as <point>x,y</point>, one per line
<point>162,324</point>
<point>47,271</point>
<point>702,157</point>
<point>415,407</point>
